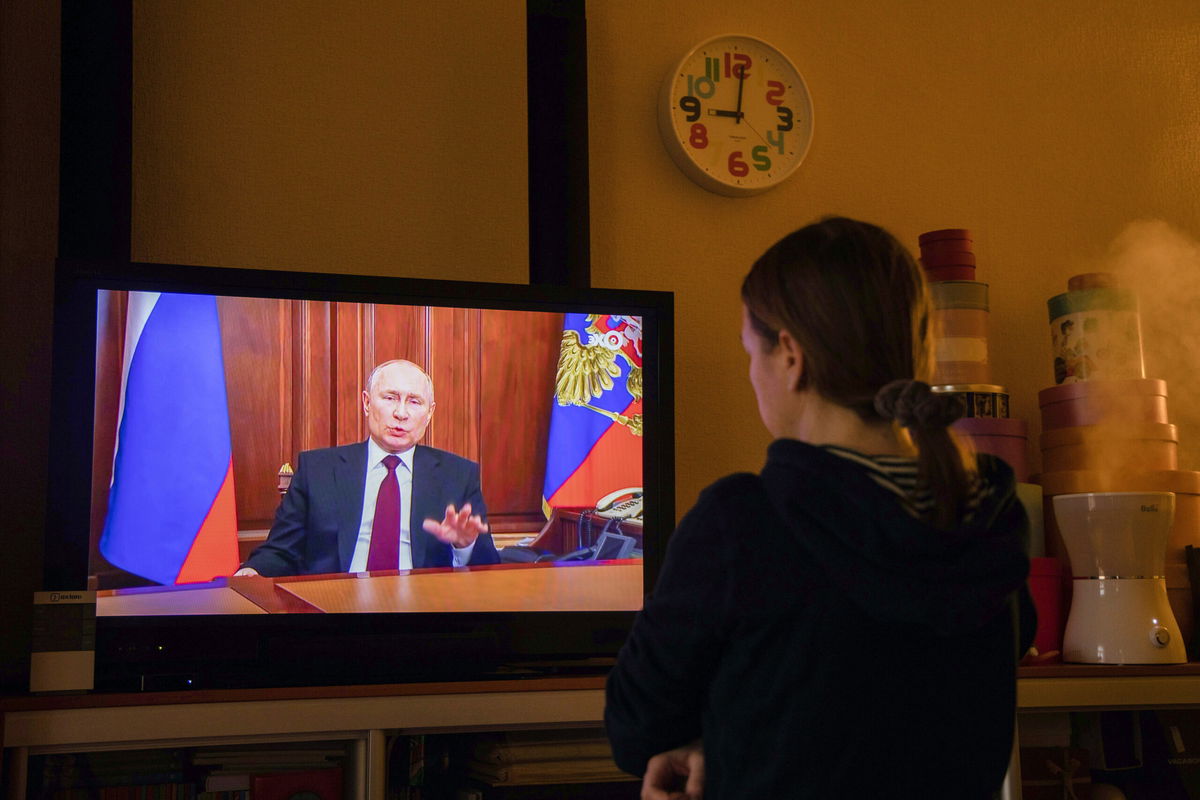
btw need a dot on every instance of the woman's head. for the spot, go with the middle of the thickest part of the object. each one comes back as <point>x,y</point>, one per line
<point>854,301</point>
<point>843,306</point>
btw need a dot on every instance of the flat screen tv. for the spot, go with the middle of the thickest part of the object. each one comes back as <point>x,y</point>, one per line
<point>184,396</point>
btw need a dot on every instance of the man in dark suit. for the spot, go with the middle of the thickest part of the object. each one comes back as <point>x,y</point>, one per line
<point>374,505</point>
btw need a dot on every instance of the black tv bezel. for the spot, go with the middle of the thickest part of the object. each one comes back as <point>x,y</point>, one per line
<point>259,651</point>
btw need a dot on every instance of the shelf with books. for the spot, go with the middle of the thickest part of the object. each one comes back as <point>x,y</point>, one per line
<point>366,719</point>
<point>226,772</point>
<point>513,764</point>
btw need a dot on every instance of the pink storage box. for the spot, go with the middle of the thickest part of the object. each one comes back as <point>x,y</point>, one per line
<point>1004,438</point>
<point>1140,446</point>
<point>1095,402</point>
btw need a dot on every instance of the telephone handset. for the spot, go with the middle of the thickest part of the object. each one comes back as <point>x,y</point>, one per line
<point>621,504</point>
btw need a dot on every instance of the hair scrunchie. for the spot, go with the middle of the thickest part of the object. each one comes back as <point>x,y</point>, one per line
<point>914,405</point>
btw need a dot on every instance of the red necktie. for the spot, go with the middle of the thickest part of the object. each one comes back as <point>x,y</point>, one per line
<point>385,528</point>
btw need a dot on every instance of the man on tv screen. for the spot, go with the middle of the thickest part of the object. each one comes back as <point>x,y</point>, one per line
<point>375,505</point>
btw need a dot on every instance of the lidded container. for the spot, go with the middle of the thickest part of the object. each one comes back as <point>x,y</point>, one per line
<point>1095,331</point>
<point>1003,438</point>
<point>1134,446</point>
<point>978,399</point>
<point>1098,402</point>
<point>947,255</point>
<point>960,333</point>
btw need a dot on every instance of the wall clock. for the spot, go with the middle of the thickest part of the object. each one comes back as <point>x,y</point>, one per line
<point>735,115</point>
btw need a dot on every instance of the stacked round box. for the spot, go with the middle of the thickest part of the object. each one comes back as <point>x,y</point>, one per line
<point>1105,426</point>
<point>960,336</point>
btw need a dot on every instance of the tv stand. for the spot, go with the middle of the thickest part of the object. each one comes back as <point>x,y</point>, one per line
<point>359,715</point>
<point>363,716</point>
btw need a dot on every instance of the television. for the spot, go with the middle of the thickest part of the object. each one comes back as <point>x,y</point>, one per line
<point>182,396</point>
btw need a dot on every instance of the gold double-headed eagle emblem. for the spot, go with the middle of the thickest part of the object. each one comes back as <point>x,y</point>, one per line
<point>586,371</point>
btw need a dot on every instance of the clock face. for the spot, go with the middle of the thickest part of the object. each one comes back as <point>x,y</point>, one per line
<point>735,115</point>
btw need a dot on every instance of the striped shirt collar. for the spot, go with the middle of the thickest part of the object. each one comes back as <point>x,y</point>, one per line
<point>899,475</point>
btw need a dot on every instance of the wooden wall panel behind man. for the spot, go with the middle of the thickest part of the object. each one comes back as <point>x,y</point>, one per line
<point>257,347</point>
<point>454,364</point>
<point>521,359</point>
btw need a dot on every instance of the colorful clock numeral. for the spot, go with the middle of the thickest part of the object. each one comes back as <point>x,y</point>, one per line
<point>762,162</point>
<point>775,138</point>
<point>712,69</point>
<point>691,105</point>
<point>699,137</point>
<point>785,118</point>
<point>775,93</point>
<point>737,167</point>
<point>737,65</point>
<point>701,86</point>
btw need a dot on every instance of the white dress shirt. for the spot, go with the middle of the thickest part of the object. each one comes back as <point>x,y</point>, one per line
<point>376,472</point>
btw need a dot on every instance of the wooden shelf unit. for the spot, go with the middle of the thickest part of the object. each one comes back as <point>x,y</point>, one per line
<point>363,715</point>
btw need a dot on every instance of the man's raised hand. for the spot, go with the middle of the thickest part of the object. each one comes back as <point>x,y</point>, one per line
<point>457,528</point>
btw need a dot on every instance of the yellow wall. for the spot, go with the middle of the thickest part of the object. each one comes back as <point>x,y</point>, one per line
<point>358,137</point>
<point>375,137</point>
<point>1043,127</point>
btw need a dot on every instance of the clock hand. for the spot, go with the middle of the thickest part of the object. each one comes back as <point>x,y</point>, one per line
<point>714,112</point>
<point>741,81</point>
<point>756,133</point>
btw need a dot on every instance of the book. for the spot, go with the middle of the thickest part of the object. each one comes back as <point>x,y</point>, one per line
<point>301,756</point>
<point>626,790</point>
<point>232,766</point>
<point>575,770</point>
<point>318,784</point>
<point>227,782</point>
<point>113,768</point>
<point>499,751</point>
<point>156,791</point>
<point>541,757</point>
<point>406,760</point>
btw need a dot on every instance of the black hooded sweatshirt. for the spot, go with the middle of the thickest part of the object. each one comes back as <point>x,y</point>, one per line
<point>825,643</point>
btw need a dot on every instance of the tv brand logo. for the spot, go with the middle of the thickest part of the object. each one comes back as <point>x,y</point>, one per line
<point>1150,507</point>
<point>56,597</point>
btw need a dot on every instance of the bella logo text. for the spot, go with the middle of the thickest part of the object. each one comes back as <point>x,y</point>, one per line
<point>1150,508</point>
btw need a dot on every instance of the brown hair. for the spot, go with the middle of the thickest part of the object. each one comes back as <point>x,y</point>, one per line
<point>858,305</point>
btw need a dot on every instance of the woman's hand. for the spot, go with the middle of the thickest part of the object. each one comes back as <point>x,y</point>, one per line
<point>676,774</point>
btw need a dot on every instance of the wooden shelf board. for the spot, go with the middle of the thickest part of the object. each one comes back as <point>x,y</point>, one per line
<point>75,720</point>
<point>1101,686</point>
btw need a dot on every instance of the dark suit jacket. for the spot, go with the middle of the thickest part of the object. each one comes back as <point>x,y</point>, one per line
<point>316,525</point>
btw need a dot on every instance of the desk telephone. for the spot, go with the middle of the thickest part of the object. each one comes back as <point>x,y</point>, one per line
<point>621,504</point>
<point>614,507</point>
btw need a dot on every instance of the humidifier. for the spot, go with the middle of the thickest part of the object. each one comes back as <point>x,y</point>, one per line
<point>1117,544</point>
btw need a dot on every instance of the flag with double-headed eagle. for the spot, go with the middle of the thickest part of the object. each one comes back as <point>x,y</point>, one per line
<point>595,446</point>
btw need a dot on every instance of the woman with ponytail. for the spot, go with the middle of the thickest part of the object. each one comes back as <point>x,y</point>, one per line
<point>840,625</point>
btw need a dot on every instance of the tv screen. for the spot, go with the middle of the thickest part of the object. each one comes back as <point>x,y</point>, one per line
<point>221,432</point>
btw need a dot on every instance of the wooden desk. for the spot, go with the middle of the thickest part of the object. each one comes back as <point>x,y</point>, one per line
<point>549,586</point>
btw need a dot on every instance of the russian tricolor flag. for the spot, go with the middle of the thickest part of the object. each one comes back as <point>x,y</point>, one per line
<point>591,451</point>
<point>171,512</point>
